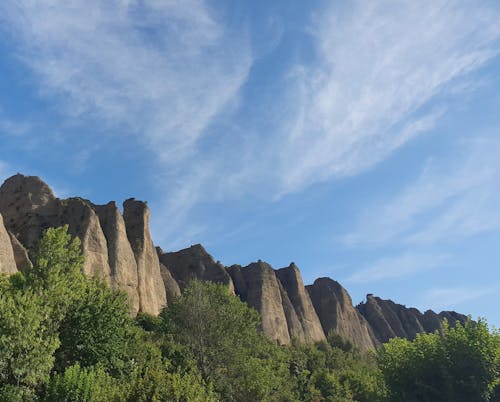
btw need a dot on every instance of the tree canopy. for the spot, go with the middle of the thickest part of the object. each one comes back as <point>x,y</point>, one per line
<point>66,337</point>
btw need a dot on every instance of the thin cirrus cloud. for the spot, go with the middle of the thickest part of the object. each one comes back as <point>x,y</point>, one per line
<point>159,70</point>
<point>398,267</point>
<point>165,70</point>
<point>378,65</point>
<point>372,86</point>
<point>452,199</point>
<point>445,298</point>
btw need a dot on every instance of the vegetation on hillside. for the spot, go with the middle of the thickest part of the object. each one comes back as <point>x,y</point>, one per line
<point>65,337</point>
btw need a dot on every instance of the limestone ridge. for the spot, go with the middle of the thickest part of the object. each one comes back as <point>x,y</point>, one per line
<point>194,262</point>
<point>7,260</point>
<point>29,207</point>
<point>388,319</point>
<point>337,313</point>
<point>152,296</point>
<point>120,255</point>
<point>118,248</point>
<point>258,285</point>
<point>310,326</point>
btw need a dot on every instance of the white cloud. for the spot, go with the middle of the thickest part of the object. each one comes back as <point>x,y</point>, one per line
<point>446,298</point>
<point>160,69</point>
<point>10,127</point>
<point>401,266</point>
<point>453,198</point>
<point>378,64</point>
<point>165,70</point>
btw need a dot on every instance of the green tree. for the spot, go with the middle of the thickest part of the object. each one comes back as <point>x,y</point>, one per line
<point>330,373</point>
<point>461,364</point>
<point>222,334</point>
<point>96,329</point>
<point>27,345</point>
<point>57,272</point>
<point>79,384</point>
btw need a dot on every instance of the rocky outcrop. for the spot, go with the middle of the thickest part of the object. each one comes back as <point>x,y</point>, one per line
<point>257,285</point>
<point>172,289</point>
<point>120,255</point>
<point>195,263</point>
<point>388,319</point>
<point>152,296</point>
<point>119,249</point>
<point>337,314</point>
<point>21,256</point>
<point>84,223</point>
<point>452,317</point>
<point>7,261</point>
<point>309,329</point>
<point>28,207</point>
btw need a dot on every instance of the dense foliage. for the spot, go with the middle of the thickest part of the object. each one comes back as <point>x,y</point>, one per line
<point>65,337</point>
<point>461,364</point>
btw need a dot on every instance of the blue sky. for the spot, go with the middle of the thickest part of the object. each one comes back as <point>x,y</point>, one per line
<point>358,139</point>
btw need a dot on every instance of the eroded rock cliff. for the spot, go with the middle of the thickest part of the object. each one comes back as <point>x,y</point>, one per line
<point>195,263</point>
<point>152,296</point>
<point>120,255</point>
<point>119,249</point>
<point>257,285</point>
<point>388,319</point>
<point>301,302</point>
<point>7,260</point>
<point>337,313</point>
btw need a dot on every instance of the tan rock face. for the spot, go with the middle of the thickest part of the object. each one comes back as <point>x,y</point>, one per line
<point>262,291</point>
<point>172,289</point>
<point>310,326</point>
<point>7,261</point>
<point>84,223</point>
<point>336,313</point>
<point>28,207</point>
<point>21,256</point>
<point>195,263</point>
<point>388,319</point>
<point>31,207</point>
<point>120,255</point>
<point>151,289</point>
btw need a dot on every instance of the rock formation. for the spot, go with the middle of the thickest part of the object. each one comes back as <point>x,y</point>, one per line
<point>119,249</point>
<point>120,255</point>
<point>84,223</point>
<point>7,260</point>
<point>388,319</point>
<point>152,296</point>
<point>195,263</point>
<point>310,329</point>
<point>257,285</point>
<point>336,313</point>
<point>29,207</point>
<point>172,289</point>
<point>21,256</point>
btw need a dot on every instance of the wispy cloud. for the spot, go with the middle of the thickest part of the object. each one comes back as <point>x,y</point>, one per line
<point>161,70</point>
<point>165,71</point>
<point>401,266</point>
<point>10,127</point>
<point>378,65</point>
<point>453,198</point>
<point>445,298</point>
<point>373,84</point>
